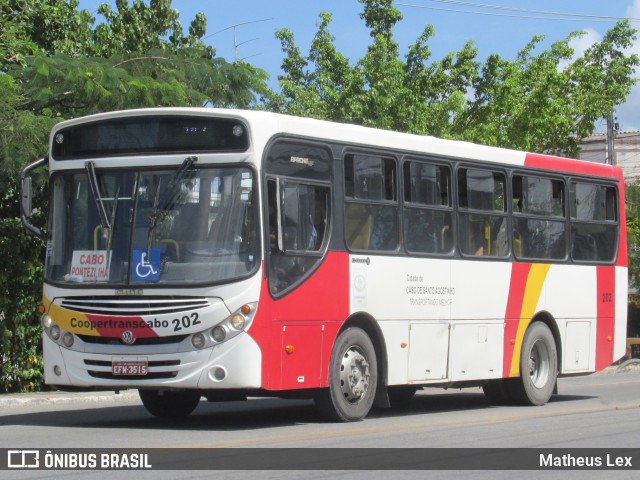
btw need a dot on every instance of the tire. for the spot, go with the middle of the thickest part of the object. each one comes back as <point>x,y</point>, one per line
<point>538,367</point>
<point>353,378</point>
<point>497,392</point>
<point>168,404</point>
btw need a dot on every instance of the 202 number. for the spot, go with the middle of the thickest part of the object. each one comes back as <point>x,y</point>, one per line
<point>185,322</point>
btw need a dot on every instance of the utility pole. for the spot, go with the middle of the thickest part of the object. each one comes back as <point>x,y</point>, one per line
<point>612,128</point>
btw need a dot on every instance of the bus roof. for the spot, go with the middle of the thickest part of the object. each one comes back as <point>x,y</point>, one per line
<point>264,125</point>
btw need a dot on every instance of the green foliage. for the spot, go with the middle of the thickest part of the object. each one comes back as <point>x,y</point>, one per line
<point>142,28</point>
<point>23,138</point>
<point>20,284</point>
<point>548,102</point>
<point>48,25</point>
<point>542,101</point>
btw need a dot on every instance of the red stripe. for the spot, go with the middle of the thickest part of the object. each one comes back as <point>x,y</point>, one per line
<point>605,329</point>
<point>571,166</point>
<point>113,327</point>
<point>519,275</point>
<point>313,313</point>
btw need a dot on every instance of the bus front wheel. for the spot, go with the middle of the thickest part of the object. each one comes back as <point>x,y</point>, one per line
<point>353,376</point>
<point>538,367</point>
<point>168,404</point>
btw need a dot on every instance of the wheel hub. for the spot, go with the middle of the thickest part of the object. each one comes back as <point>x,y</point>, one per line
<point>539,364</point>
<point>354,375</point>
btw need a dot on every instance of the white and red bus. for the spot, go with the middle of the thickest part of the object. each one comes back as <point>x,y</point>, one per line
<point>223,254</point>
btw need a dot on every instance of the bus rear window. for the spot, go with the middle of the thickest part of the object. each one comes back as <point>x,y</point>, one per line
<point>150,134</point>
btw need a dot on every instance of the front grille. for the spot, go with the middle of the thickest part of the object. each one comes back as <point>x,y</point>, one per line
<point>95,340</point>
<point>127,306</point>
<point>153,363</point>
<point>148,376</point>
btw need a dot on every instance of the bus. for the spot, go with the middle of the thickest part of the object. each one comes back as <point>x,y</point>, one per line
<point>224,254</point>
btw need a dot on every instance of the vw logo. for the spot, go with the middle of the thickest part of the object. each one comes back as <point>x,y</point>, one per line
<point>127,337</point>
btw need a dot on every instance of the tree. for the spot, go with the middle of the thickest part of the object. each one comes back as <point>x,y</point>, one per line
<point>140,54</point>
<point>537,103</point>
<point>50,25</point>
<point>21,274</point>
<point>541,101</point>
<point>142,28</point>
<point>148,41</point>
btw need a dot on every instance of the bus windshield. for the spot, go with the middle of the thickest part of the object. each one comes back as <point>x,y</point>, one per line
<point>140,227</point>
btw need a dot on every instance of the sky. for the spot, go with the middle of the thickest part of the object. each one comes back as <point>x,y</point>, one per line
<point>499,26</point>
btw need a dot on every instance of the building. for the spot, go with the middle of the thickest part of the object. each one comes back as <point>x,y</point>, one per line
<point>626,152</point>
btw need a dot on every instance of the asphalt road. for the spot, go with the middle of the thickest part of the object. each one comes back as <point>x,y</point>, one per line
<point>600,411</point>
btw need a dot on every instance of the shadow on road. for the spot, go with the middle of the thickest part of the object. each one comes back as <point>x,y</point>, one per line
<point>253,414</point>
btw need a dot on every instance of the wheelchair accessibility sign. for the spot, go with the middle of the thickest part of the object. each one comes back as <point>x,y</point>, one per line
<point>145,266</point>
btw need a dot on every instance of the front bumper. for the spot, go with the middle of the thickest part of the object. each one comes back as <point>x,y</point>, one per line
<point>235,364</point>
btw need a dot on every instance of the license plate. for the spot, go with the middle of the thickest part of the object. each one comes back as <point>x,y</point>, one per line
<point>129,367</point>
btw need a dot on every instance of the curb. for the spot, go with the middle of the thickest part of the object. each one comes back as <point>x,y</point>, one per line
<point>17,400</point>
<point>628,366</point>
<point>631,365</point>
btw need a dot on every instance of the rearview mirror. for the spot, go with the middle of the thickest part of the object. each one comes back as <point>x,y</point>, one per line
<point>26,201</point>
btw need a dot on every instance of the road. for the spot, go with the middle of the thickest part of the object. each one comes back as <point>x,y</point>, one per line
<point>600,411</point>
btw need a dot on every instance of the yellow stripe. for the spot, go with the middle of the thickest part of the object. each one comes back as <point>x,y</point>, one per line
<point>64,317</point>
<point>532,292</point>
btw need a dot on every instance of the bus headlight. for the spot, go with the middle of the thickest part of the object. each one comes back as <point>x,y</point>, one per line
<point>233,325</point>
<point>198,341</point>
<point>54,331</point>
<point>47,321</point>
<point>67,339</point>
<point>237,321</point>
<point>218,333</point>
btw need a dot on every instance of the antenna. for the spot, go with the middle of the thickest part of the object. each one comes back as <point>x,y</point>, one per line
<point>235,38</point>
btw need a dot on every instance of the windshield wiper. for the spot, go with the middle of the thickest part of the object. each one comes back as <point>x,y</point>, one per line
<point>106,222</point>
<point>113,218</point>
<point>158,211</point>
<point>95,190</point>
<point>180,174</point>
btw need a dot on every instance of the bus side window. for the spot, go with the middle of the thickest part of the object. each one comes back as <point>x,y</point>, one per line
<point>482,217</point>
<point>427,207</point>
<point>297,225</point>
<point>538,217</point>
<point>371,212</point>
<point>593,222</point>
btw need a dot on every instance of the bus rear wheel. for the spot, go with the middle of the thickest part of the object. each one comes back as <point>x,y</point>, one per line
<point>353,376</point>
<point>538,367</point>
<point>168,404</point>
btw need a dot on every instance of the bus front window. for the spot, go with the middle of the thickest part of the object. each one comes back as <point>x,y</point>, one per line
<point>190,225</point>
